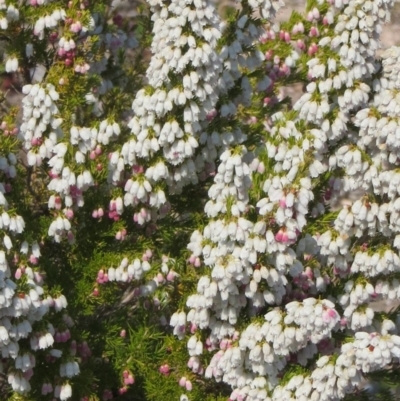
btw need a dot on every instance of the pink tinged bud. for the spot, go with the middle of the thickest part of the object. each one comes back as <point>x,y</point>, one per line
<point>118,236</point>
<point>33,259</point>
<point>277,60</point>
<point>98,150</point>
<point>279,236</point>
<point>145,258</point>
<point>122,333</point>
<point>316,13</point>
<point>309,273</point>
<point>96,292</point>
<point>314,32</point>
<point>182,381</point>
<point>329,315</point>
<point>193,328</point>
<point>67,334</point>
<point>100,212</point>
<point>285,69</point>
<point>18,274</point>
<point>267,100</point>
<point>69,213</point>
<point>95,214</point>
<point>70,237</point>
<point>261,168</point>
<point>325,21</point>
<point>287,37</point>
<point>92,155</point>
<point>123,390</point>
<point>312,49</point>
<point>188,385</point>
<point>171,276</point>
<point>164,369</point>
<point>160,278</point>
<point>282,203</point>
<point>192,259</point>
<point>282,35</point>
<point>268,55</point>
<point>310,16</point>
<point>197,262</point>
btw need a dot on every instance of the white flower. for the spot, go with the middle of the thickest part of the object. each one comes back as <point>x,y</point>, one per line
<point>12,64</point>
<point>66,392</point>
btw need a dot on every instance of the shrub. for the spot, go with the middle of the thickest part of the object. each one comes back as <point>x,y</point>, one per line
<point>173,227</point>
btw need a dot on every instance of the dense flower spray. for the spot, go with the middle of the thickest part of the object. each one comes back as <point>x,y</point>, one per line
<point>169,221</point>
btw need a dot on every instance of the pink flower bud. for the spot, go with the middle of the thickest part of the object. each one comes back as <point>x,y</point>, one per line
<point>279,236</point>
<point>267,100</point>
<point>268,55</point>
<point>69,214</point>
<point>171,275</point>
<point>188,385</point>
<point>312,49</point>
<point>182,381</point>
<point>300,44</point>
<point>193,328</point>
<point>314,32</point>
<point>122,390</point>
